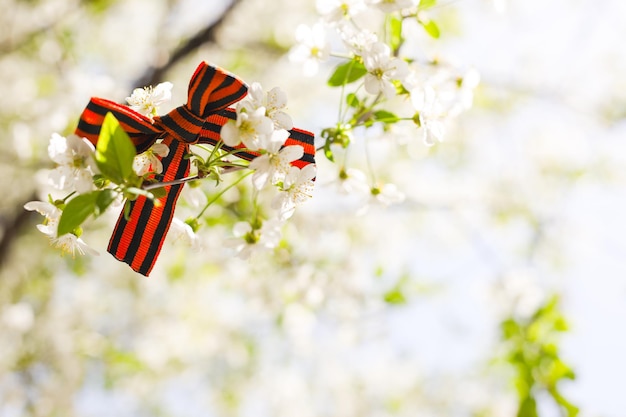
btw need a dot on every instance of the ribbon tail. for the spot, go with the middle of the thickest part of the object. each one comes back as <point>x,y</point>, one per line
<point>138,240</point>
<point>143,133</point>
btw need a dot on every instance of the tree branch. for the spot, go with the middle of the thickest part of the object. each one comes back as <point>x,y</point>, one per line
<point>153,75</point>
<point>11,229</point>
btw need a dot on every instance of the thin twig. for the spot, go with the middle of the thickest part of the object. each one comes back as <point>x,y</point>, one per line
<point>153,185</point>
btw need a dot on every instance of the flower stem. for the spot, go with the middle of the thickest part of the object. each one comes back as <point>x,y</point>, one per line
<point>218,195</point>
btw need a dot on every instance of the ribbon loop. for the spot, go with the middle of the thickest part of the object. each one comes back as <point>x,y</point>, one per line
<point>212,89</point>
<point>142,132</point>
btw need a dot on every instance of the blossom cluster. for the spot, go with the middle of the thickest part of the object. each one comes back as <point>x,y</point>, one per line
<point>376,47</point>
<point>261,127</point>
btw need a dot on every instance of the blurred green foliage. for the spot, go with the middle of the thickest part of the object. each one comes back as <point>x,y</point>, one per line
<point>532,350</point>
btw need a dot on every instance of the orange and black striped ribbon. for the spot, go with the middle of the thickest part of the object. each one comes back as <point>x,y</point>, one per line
<point>138,240</point>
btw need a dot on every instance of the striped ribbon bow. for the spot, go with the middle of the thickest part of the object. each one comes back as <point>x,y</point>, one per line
<point>138,240</point>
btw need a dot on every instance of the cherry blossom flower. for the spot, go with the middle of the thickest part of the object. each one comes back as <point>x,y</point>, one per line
<point>295,189</point>
<point>358,40</point>
<point>181,231</point>
<point>274,102</point>
<point>312,47</point>
<point>382,68</point>
<point>150,160</point>
<point>70,243</point>
<point>251,127</point>
<point>465,92</point>
<point>273,164</point>
<point>353,181</point>
<point>387,195</point>
<point>76,168</point>
<point>249,239</point>
<point>146,100</point>
<point>337,10</point>
<point>384,195</point>
<point>51,215</point>
<point>431,114</point>
<point>193,195</point>
<point>390,6</point>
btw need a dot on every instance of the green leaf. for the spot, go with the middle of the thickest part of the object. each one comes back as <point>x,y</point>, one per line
<point>76,212</point>
<point>347,73</point>
<point>385,117</point>
<point>352,100</point>
<point>426,4</point>
<point>104,200</point>
<point>431,28</point>
<point>527,408</point>
<point>159,192</point>
<point>509,328</point>
<point>127,210</point>
<point>328,153</point>
<point>114,151</point>
<point>395,32</point>
<point>395,296</point>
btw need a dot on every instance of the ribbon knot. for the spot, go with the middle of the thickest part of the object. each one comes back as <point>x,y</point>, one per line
<point>138,239</point>
<point>181,123</point>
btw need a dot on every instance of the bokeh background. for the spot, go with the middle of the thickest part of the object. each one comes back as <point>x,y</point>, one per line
<point>396,312</point>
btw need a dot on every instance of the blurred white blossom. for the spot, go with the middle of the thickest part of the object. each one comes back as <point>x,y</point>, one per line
<point>19,316</point>
<point>431,114</point>
<point>384,195</point>
<point>248,239</point>
<point>353,181</point>
<point>76,165</point>
<point>390,6</point>
<point>356,39</point>
<point>338,10</point>
<point>181,231</point>
<point>312,47</point>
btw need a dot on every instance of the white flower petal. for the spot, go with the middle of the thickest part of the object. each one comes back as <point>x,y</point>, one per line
<point>292,153</point>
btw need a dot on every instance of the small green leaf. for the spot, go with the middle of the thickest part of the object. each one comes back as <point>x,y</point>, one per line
<point>416,119</point>
<point>431,28</point>
<point>115,151</point>
<point>127,210</point>
<point>385,117</point>
<point>395,296</point>
<point>159,192</point>
<point>352,100</point>
<point>509,328</point>
<point>76,212</point>
<point>347,73</point>
<point>395,32</point>
<point>328,153</point>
